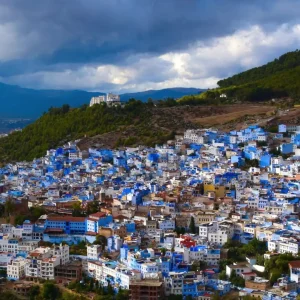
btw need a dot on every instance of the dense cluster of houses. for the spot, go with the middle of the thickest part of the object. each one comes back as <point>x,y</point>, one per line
<point>165,213</point>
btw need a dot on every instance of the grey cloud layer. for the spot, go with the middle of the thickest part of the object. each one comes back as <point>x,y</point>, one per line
<point>55,36</point>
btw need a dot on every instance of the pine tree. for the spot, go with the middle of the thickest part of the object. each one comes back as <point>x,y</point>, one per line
<point>192,225</point>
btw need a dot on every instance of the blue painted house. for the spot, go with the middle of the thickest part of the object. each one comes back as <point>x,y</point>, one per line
<point>66,224</point>
<point>265,160</point>
<point>287,148</point>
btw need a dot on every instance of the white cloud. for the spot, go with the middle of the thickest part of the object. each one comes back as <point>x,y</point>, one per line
<point>242,50</point>
<point>200,65</point>
<point>86,76</point>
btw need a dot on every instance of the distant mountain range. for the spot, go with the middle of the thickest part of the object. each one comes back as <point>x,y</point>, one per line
<point>162,94</point>
<point>18,102</point>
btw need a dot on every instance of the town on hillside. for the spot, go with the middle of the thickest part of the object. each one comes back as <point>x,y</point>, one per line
<point>208,215</point>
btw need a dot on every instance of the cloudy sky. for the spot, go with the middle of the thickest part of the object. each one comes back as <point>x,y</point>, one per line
<point>134,45</point>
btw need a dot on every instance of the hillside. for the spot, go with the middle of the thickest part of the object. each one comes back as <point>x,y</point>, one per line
<point>285,62</point>
<point>136,124</point>
<point>18,102</point>
<point>277,79</point>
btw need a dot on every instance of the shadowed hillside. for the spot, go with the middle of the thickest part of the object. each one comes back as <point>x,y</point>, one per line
<point>277,79</point>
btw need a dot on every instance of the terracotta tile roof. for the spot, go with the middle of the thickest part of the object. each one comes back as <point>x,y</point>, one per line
<point>295,264</point>
<point>91,233</point>
<point>66,218</point>
<point>120,217</point>
<point>295,177</point>
<point>98,214</point>
<point>249,273</point>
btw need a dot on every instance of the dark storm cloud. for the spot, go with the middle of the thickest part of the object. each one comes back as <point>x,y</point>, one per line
<point>57,34</point>
<point>101,30</point>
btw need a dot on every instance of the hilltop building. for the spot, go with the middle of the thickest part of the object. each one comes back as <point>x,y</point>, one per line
<point>109,99</point>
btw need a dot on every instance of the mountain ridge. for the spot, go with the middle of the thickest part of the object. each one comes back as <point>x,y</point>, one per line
<point>277,79</point>
<point>19,102</point>
<point>176,92</point>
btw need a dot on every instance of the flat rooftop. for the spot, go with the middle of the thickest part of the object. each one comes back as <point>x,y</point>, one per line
<point>147,283</point>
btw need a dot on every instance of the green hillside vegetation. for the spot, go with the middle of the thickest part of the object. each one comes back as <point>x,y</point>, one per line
<point>64,124</point>
<point>276,79</point>
<point>285,62</point>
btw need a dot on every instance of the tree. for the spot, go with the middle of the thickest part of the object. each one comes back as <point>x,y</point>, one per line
<point>19,220</point>
<point>274,151</point>
<point>50,291</point>
<point>282,262</point>
<point>223,276</point>
<point>9,206</point>
<point>150,102</point>
<point>249,163</point>
<point>2,210</point>
<point>79,249</point>
<point>96,285</point>
<point>278,265</point>
<point>260,260</point>
<point>163,251</point>
<point>68,296</point>
<point>34,292</point>
<point>262,143</point>
<point>224,262</point>
<point>122,294</point>
<point>77,210</point>
<point>83,107</point>
<point>178,230</point>
<point>236,279</point>
<point>91,288</point>
<point>93,207</point>
<point>65,108</point>
<point>3,273</point>
<point>8,295</point>
<point>36,212</point>
<point>254,247</point>
<point>216,296</point>
<point>100,290</point>
<point>192,225</point>
<point>110,290</point>
<point>101,240</point>
<point>274,275</point>
<point>195,266</point>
